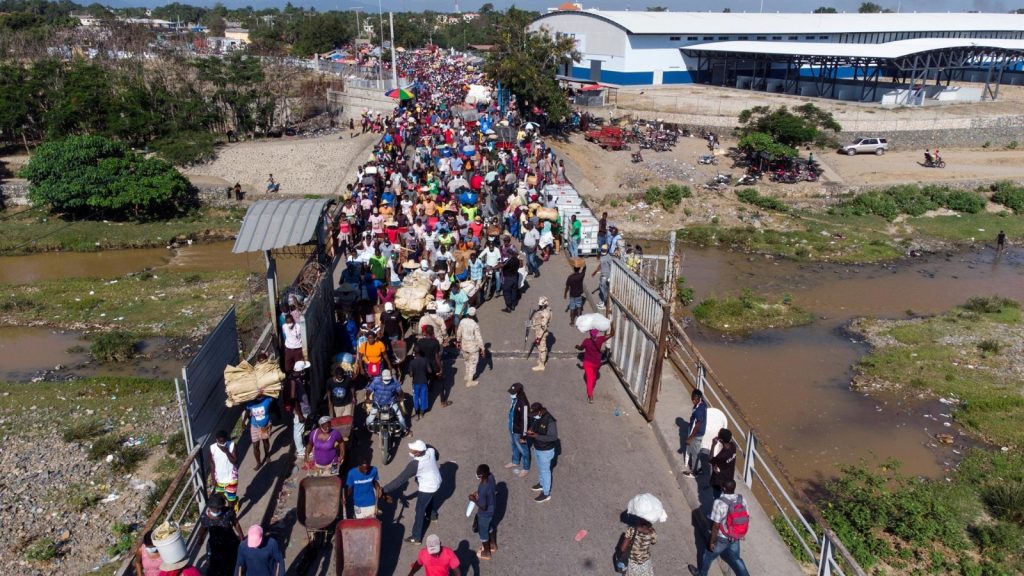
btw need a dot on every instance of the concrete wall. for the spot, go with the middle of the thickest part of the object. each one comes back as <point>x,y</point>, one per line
<point>902,134</point>
<point>351,102</point>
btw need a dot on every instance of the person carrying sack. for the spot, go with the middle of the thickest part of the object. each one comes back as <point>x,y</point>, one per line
<point>633,556</point>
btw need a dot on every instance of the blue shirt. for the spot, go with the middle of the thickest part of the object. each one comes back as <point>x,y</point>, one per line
<point>265,560</point>
<point>384,394</point>
<point>259,411</point>
<point>363,494</point>
<point>476,270</point>
<point>460,299</point>
<point>699,415</point>
<point>485,496</point>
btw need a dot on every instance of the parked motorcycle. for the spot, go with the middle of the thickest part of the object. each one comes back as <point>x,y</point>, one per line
<point>708,159</point>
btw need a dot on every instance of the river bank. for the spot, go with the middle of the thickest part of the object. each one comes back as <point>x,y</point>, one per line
<point>31,230</point>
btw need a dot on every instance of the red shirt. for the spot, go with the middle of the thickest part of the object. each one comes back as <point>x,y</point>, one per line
<point>592,349</point>
<point>440,565</point>
<point>476,182</point>
<point>476,228</point>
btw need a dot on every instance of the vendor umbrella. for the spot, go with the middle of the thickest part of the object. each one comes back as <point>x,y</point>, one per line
<point>400,94</point>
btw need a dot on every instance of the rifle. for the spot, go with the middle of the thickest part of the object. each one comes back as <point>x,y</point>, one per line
<point>526,337</point>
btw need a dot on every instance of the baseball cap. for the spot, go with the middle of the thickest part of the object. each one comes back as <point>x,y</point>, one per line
<point>323,420</point>
<point>433,544</point>
<point>515,388</point>
<point>418,446</point>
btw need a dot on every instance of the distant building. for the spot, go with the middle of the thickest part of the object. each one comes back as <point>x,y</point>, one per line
<point>237,34</point>
<point>86,20</point>
<point>223,44</point>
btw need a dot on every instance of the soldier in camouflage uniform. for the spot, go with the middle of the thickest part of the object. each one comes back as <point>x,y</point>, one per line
<point>539,323</point>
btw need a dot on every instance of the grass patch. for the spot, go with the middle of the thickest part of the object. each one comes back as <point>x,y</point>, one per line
<point>748,312</point>
<point>795,548</point>
<point>81,431</point>
<point>81,497</point>
<point>168,304</point>
<point>124,537</point>
<point>894,524</point>
<point>751,196</point>
<point>960,354</point>
<point>80,404</point>
<point>812,237</point>
<point>911,200</point>
<point>25,231</point>
<point>116,346</point>
<point>979,227</point>
<point>125,458</point>
<point>41,550</point>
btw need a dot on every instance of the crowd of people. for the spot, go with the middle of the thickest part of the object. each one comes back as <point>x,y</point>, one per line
<point>447,203</point>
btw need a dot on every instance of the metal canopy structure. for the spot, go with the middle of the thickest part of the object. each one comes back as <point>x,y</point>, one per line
<point>271,224</point>
<point>908,62</point>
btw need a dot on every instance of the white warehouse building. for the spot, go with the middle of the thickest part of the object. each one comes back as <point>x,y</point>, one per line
<point>778,52</point>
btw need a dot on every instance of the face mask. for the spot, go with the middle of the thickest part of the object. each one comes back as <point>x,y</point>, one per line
<point>537,417</point>
<point>411,455</point>
<point>512,396</point>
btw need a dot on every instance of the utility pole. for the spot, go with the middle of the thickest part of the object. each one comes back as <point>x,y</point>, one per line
<point>394,66</point>
<point>380,59</point>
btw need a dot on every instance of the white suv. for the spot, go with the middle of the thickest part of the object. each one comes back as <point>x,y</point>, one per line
<point>876,146</point>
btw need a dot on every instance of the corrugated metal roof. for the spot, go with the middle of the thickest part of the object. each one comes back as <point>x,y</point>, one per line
<point>270,224</point>
<point>885,50</point>
<point>707,23</point>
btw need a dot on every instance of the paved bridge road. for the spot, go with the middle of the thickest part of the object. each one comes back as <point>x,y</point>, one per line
<point>604,460</point>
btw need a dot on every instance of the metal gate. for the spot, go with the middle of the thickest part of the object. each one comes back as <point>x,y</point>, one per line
<point>640,316</point>
<point>204,381</point>
<point>319,333</point>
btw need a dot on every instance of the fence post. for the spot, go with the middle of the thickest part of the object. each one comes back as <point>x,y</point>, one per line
<point>825,559</point>
<point>748,459</point>
<point>659,363</point>
<point>700,376</point>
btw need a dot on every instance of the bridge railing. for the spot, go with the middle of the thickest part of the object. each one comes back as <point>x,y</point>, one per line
<point>761,470</point>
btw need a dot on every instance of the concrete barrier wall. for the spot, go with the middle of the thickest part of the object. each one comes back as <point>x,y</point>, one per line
<point>908,133</point>
<point>351,101</point>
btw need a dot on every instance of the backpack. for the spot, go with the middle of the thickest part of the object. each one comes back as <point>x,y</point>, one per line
<point>737,520</point>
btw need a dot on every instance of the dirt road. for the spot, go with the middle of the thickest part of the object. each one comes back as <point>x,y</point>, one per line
<point>905,166</point>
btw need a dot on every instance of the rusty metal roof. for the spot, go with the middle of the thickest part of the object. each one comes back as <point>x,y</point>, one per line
<point>270,224</point>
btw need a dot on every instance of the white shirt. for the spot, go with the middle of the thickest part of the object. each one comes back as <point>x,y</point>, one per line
<point>530,238</point>
<point>492,256</point>
<point>292,336</point>
<point>223,470</point>
<point>428,475</point>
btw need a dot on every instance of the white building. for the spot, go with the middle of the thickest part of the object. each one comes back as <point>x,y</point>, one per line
<point>650,48</point>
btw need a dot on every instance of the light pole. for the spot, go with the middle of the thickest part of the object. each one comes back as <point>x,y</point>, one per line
<point>394,66</point>
<point>380,59</point>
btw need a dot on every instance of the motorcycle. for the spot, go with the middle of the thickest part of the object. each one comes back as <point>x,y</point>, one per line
<point>708,159</point>
<point>934,163</point>
<point>637,157</point>
<point>747,180</point>
<point>386,426</point>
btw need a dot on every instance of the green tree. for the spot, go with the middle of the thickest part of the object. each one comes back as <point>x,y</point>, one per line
<point>215,24</point>
<point>870,8</point>
<point>94,177</point>
<point>825,10</point>
<point>320,33</point>
<point>657,9</point>
<point>788,128</point>
<point>764,145</point>
<point>526,63</point>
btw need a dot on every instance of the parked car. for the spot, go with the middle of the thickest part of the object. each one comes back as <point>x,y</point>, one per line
<point>876,146</point>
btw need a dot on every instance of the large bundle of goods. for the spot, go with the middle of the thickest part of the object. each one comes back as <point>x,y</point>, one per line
<point>244,382</point>
<point>588,322</point>
<point>549,214</point>
<point>412,296</point>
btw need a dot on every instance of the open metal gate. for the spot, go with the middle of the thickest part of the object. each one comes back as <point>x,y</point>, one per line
<point>641,317</point>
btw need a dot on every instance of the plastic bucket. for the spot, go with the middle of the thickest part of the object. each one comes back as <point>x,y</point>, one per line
<point>171,548</point>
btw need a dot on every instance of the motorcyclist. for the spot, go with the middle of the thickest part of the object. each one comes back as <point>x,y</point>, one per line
<point>385,393</point>
<point>928,161</point>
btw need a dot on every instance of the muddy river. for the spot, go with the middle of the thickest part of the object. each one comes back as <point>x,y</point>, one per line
<point>794,384</point>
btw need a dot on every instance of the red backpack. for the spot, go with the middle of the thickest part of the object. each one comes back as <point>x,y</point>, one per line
<point>737,520</point>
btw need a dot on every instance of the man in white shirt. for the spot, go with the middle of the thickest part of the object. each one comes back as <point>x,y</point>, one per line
<point>428,481</point>
<point>719,541</point>
<point>223,466</point>
<point>531,238</point>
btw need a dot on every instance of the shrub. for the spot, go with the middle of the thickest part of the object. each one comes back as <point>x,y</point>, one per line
<point>989,304</point>
<point>751,196</point>
<point>185,148</point>
<point>990,346</point>
<point>684,294</point>
<point>124,537</point>
<point>86,430</point>
<point>668,197</point>
<point>103,446</point>
<point>911,200</point>
<point>1010,195</point>
<point>1012,145</point>
<point>41,550</point>
<point>96,178</point>
<point>1006,501</point>
<point>116,346</point>
<point>176,445</point>
<point>81,497</point>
